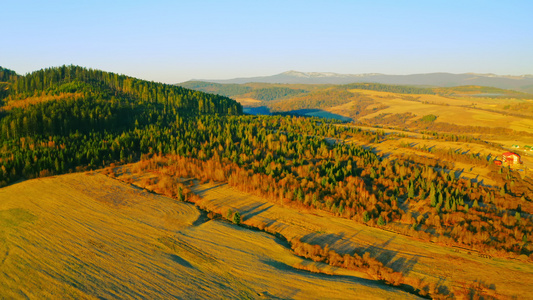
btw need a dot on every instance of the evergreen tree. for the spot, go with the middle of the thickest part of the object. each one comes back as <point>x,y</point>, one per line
<point>366,217</point>
<point>433,199</point>
<point>411,190</point>
<point>236,218</point>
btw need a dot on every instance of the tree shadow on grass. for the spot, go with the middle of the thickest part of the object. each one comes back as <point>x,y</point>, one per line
<point>180,261</point>
<point>283,267</point>
<point>254,209</point>
<point>343,244</point>
<point>202,192</point>
<point>202,218</point>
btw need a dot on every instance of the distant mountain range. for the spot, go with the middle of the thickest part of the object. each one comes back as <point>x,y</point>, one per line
<point>522,83</point>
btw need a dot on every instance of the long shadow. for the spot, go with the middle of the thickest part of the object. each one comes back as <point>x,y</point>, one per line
<point>458,173</point>
<point>403,264</point>
<point>335,278</point>
<point>180,261</point>
<point>343,245</point>
<point>253,210</point>
<point>202,218</point>
<point>289,269</point>
<point>202,192</point>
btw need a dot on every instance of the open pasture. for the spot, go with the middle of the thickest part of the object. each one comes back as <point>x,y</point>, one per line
<point>86,236</point>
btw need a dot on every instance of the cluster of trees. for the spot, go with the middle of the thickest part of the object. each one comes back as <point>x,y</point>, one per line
<point>99,118</point>
<point>364,262</point>
<point>458,138</point>
<point>274,93</point>
<point>480,91</point>
<point>263,92</point>
<point>400,89</point>
<point>450,154</point>
<point>285,161</point>
<point>7,74</point>
<point>321,99</point>
<point>429,118</point>
<point>127,89</point>
<point>406,120</point>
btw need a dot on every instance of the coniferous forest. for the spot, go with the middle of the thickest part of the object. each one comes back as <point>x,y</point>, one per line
<point>61,119</point>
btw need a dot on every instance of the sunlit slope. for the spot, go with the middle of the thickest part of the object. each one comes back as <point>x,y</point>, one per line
<point>473,111</point>
<point>433,263</point>
<point>86,236</point>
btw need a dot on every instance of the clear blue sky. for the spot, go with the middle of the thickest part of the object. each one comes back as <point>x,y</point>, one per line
<point>174,41</point>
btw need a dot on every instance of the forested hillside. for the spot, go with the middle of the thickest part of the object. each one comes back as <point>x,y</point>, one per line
<point>258,91</point>
<point>5,76</point>
<point>217,88</point>
<point>58,119</point>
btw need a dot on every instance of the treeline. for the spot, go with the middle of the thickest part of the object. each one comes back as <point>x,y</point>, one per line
<point>217,88</point>
<point>321,99</point>
<point>267,93</point>
<point>400,89</point>
<point>273,93</point>
<point>70,78</point>
<point>407,120</point>
<point>7,74</point>
<point>480,91</point>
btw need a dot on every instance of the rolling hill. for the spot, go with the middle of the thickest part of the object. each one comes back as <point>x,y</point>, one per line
<point>86,236</point>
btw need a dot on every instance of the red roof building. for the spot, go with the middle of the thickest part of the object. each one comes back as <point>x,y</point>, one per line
<point>511,158</point>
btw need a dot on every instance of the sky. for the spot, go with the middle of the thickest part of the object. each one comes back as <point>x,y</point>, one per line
<point>175,41</point>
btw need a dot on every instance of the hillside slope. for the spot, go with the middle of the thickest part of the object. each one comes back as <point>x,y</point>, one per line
<point>85,236</point>
<point>56,120</point>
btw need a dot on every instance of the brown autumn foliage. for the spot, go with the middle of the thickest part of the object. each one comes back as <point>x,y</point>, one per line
<point>451,221</point>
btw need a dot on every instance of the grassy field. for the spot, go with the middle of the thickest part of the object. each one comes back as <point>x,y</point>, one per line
<point>245,101</point>
<point>86,236</point>
<point>446,267</point>
<point>459,111</point>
